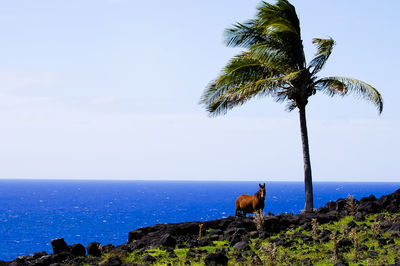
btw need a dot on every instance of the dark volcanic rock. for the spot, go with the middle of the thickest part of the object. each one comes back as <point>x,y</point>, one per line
<point>305,238</point>
<point>215,237</point>
<point>382,242</point>
<point>390,202</point>
<point>394,228</point>
<point>359,216</point>
<point>167,241</point>
<point>272,224</point>
<point>331,205</point>
<point>330,216</point>
<point>90,261</point>
<point>373,254</point>
<point>190,228</point>
<point>37,255</point>
<point>205,242</point>
<point>59,245</point>
<point>221,224</point>
<point>216,232</point>
<point>306,226</point>
<point>110,247</point>
<point>351,225</point>
<point>190,254</point>
<point>216,259</point>
<point>241,246</point>
<point>78,250</point>
<point>113,261</point>
<point>60,257</point>
<point>341,263</point>
<point>235,239</point>
<point>229,232</point>
<point>44,260</point>
<point>172,254</point>
<point>280,242</point>
<point>239,257</point>
<point>368,205</point>
<point>344,242</point>
<point>340,205</point>
<point>135,235</point>
<point>194,243</point>
<point>241,231</point>
<point>254,234</point>
<point>245,223</point>
<point>148,258</point>
<point>324,236</point>
<point>94,249</point>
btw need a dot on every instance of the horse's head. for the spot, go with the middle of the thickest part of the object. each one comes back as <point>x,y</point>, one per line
<point>261,191</point>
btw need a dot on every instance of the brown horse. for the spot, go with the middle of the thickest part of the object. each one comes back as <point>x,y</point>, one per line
<point>251,204</point>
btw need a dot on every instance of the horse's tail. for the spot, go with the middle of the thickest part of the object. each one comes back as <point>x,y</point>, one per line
<point>238,210</point>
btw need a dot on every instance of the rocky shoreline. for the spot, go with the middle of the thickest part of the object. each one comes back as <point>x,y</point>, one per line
<point>236,230</point>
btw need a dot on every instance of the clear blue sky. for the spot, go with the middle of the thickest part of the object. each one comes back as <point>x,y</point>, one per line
<point>110,89</point>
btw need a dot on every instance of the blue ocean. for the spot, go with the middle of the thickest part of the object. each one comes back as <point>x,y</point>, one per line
<point>32,212</point>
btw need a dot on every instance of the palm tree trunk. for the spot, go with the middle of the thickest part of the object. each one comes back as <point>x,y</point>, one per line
<point>309,206</point>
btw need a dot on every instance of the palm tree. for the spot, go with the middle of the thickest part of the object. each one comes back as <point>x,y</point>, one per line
<point>273,64</point>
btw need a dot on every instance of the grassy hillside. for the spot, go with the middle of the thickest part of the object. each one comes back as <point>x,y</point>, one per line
<point>372,240</point>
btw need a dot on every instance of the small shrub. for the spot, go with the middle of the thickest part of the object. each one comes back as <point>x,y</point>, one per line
<point>335,242</point>
<point>351,204</point>
<point>271,254</point>
<point>354,238</point>
<point>383,262</point>
<point>345,230</point>
<point>200,230</point>
<point>395,218</point>
<point>314,231</point>
<point>284,258</point>
<point>376,228</point>
<point>259,219</point>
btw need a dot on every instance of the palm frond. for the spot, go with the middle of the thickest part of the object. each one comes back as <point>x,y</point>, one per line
<point>238,95</point>
<point>342,86</point>
<point>324,50</point>
<point>269,54</point>
<point>279,26</point>
<point>243,34</point>
<point>242,69</point>
<point>246,67</point>
<point>282,11</point>
<point>280,23</point>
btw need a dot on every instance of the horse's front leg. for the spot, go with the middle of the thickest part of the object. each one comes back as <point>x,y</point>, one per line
<point>237,212</point>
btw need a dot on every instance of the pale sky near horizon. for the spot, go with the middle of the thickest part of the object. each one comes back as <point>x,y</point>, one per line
<point>109,89</point>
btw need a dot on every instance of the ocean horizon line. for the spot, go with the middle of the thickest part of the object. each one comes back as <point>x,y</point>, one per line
<point>185,180</point>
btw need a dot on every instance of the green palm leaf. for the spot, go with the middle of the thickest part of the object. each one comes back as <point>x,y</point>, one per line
<point>281,23</point>
<point>241,69</point>
<point>243,34</point>
<point>241,93</point>
<point>342,86</point>
<point>324,50</point>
